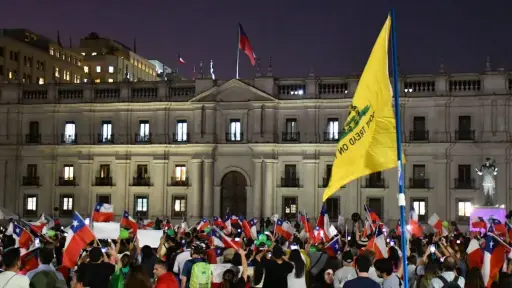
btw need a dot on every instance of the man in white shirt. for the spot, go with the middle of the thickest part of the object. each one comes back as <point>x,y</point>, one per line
<point>449,275</point>
<point>46,256</point>
<point>347,272</point>
<point>11,259</point>
<point>181,259</point>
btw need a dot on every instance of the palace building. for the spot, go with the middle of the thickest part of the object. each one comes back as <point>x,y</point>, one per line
<point>257,147</point>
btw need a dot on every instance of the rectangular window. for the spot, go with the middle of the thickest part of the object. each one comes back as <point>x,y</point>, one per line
<point>98,69</point>
<point>106,131</point>
<point>52,51</point>
<point>179,206</point>
<point>56,70</point>
<point>464,173</point>
<point>69,132</point>
<point>110,69</point>
<point>333,207</point>
<point>332,129</point>
<point>110,80</point>
<point>375,177</point>
<point>464,123</point>
<point>104,171</point>
<point>86,69</point>
<point>290,210</point>
<point>66,204</point>
<point>418,171</point>
<point>141,206</point>
<point>291,125</point>
<point>235,133</point>
<point>68,172</point>
<point>30,205</point>
<point>142,171</point>
<point>105,198</point>
<point>32,170</point>
<point>181,131</point>
<point>144,129</point>
<point>290,171</point>
<point>180,172</point>
<point>421,208</point>
<point>464,209</point>
<point>33,128</point>
<point>419,123</point>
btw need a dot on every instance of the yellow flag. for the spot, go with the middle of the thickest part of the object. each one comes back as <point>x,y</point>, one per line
<point>368,141</point>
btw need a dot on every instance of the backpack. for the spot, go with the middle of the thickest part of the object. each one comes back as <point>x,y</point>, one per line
<point>201,276</point>
<point>453,284</point>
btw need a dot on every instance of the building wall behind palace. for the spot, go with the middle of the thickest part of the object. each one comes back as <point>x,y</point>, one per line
<point>264,149</point>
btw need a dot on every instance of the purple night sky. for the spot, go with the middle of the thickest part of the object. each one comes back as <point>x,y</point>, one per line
<point>332,37</point>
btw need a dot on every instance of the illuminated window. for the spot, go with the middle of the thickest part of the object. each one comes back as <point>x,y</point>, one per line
<point>332,129</point>
<point>69,172</point>
<point>106,131</point>
<point>235,133</point>
<point>40,81</point>
<point>179,206</point>
<point>180,172</point>
<point>98,69</point>
<point>52,51</point>
<point>110,69</point>
<point>10,74</point>
<point>30,205</point>
<point>83,54</point>
<point>85,80</point>
<point>290,207</point>
<point>141,205</point>
<point>57,53</point>
<point>63,56</point>
<point>56,70</point>
<point>97,80</point>
<point>421,207</point>
<point>86,69</point>
<point>464,210</point>
<point>94,53</point>
<point>69,132</point>
<point>181,131</point>
<point>110,80</point>
<point>66,204</point>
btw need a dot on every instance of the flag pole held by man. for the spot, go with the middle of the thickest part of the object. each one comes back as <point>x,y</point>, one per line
<point>368,140</point>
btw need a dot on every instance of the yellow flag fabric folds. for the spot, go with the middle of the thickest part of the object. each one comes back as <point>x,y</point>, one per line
<point>368,141</point>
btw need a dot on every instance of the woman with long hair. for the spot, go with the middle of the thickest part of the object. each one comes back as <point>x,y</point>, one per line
<point>137,278</point>
<point>474,279</point>
<point>297,278</point>
<point>431,272</point>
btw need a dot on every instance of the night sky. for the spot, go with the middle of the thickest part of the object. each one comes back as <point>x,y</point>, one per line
<point>332,37</point>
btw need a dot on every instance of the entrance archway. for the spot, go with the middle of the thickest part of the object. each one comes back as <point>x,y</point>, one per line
<point>233,194</point>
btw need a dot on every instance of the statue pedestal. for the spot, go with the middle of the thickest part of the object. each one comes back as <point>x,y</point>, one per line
<point>486,212</point>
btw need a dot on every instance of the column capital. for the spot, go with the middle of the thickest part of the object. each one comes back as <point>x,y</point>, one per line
<point>271,160</point>
<point>257,160</point>
<point>196,160</point>
<point>208,160</point>
<point>311,161</point>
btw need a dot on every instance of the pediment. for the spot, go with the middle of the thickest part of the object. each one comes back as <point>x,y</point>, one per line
<point>233,91</point>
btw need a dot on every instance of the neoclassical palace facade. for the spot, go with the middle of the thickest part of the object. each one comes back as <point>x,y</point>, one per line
<point>257,146</point>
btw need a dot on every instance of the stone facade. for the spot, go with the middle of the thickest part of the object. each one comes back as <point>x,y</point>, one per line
<point>171,145</point>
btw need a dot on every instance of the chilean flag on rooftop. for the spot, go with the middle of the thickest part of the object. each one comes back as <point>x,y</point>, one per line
<point>245,45</point>
<point>103,213</point>
<point>79,236</point>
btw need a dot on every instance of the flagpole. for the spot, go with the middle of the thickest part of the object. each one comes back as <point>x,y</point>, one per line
<point>401,190</point>
<point>238,51</point>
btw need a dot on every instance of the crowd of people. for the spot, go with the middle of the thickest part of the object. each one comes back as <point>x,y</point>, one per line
<point>200,257</point>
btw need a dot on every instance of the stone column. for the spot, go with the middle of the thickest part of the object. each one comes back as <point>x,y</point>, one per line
<point>256,191</point>
<point>310,183</point>
<point>208,188</point>
<point>194,202</point>
<point>270,187</point>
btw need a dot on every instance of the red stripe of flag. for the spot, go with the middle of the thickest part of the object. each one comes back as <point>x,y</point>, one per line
<point>245,45</point>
